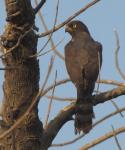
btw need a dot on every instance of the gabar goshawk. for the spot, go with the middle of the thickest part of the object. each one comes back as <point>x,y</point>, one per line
<point>83,58</point>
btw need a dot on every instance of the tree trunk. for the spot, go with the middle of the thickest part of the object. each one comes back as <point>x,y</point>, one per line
<point>21,78</point>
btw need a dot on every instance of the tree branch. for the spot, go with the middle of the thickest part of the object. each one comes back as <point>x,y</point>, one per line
<point>51,40</point>
<point>46,52</point>
<point>117,108</point>
<point>61,99</point>
<point>62,118</point>
<point>66,114</point>
<point>55,125</point>
<point>106,96</point>
<point>39,6</point>
<point>55,21</point>
<point>103,138</point>
<point>110,82</point>
<point>50,103</point>
<point>69,19</point>
<point>116,139</point>
<point>94,125</point>
<point>116,55</point>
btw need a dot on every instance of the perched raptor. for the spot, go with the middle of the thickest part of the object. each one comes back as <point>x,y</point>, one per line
<point>83,58</point>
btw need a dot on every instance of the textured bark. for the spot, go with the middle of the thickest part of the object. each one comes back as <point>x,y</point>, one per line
<point>19,11</point>
<point>21,83</point>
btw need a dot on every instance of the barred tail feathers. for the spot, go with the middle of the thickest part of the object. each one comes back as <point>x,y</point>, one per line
<point>84,113</point>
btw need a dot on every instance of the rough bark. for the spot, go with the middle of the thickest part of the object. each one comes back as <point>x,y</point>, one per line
<point>22,82</point>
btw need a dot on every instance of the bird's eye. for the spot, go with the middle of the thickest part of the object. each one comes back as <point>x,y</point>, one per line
<point>74,26</point>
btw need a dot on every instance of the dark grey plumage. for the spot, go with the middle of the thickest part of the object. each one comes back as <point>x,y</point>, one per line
<point>83,57</point>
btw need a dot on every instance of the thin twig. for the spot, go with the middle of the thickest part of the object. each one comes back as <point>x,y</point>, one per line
<point>97,99</point>
<point>117,108</point>
<point>69,19</point>
<point>99,76</point>
<point>61,99</point>
<point>51,48</point>
<point>64,81</point>
<point>116,140</point>
<point>94,125</point>
<point>48,72</point>
<point>46,29</point>
<point>116,55</point>
<point>55,125</point>
<point>50,103</point>
<point>55,21</point>
<point>102,138</point>
<point>39,6</point>
<point>111,82</point>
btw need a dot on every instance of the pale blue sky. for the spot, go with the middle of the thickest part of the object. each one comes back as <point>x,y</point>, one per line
<point>101,19</point>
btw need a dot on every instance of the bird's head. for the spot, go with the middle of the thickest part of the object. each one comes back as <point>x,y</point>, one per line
<point>75,27</point>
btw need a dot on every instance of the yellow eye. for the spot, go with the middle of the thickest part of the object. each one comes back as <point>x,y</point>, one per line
<point>74,26</point>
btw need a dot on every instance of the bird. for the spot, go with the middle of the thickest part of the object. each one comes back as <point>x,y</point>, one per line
<point>83,59</point>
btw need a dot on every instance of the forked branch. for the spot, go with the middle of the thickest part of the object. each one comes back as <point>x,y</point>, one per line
<point>69,19</point>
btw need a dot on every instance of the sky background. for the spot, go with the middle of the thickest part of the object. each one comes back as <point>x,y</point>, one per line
<point>101,20</point>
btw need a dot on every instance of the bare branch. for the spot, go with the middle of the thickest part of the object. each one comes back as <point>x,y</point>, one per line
<point>106,96</point>
<point>116,140</point>
<point>60,120</point>
<point>38,53</point>
<point>51,48</point>
<point>39,6</point>
<point>61,99</point>
<point>48,73</point>
<point>51,40</point>
<point>116,55</point>
<point>100,98</point>
<point>50,103</point>
<point>112,82</point>
<point>55,125</point>
<point>72,99</point>
<point>65,115</point>
<point>64,81</point>
<point>69,19</point>
<point>99,77</point>
<point>102,138</point>
<point>117,108</point>
<point>94,125</point>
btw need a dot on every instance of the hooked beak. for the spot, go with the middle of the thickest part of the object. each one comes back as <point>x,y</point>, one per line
<point>68,29</point>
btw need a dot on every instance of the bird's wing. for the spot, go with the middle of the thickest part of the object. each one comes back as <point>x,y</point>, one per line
<point>75,59</point>
<point>94,61</point>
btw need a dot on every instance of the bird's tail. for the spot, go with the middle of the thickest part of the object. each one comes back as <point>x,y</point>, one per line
<point>84,113</point>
